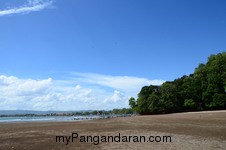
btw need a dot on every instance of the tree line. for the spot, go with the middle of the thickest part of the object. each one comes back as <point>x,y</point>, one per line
<point>122,111</point>
<point>205,89</point>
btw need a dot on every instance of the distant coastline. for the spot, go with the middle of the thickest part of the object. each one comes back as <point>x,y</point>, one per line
<point>55,116</point>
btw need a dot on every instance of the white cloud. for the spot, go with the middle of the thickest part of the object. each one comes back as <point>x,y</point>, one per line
<point>77,87</point>
<point>32,5</point>
<point>82,92</point>
<point>14,86</point>
<point>115,97</point>
<point>127,84</point>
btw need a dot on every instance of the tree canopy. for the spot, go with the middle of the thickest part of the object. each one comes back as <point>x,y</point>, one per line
<point>205,89</point>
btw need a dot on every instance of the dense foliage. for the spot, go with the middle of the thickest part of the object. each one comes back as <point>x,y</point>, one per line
<point>205,89</point>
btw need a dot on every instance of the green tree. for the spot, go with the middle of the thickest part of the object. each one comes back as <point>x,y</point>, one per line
<point>143,102</point>
<point>155,105</point>
<point>203,90</point>
<point>132,103</point>
<point>169,97</point>
<point>190,104</point>
<point>219,101</point>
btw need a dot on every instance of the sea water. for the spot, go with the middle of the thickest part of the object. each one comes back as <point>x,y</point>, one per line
<point>36,119</point>
<point>47,118</point>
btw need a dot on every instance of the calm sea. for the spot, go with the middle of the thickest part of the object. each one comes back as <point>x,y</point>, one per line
<point>41,119</point>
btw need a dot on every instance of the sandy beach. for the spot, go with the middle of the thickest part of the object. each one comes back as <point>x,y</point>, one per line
<point>198,130</point>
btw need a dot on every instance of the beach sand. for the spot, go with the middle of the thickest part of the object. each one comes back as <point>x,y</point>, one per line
<point>198,130</point>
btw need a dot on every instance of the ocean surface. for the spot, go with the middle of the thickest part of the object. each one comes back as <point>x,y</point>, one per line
<point>47,118</point>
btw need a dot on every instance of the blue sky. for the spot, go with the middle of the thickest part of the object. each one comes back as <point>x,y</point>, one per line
<point>95,54</point>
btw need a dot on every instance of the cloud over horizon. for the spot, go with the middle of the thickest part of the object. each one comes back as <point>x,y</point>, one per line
<point>128,84</point>
<point>30,6</point>
<point>81,92</point>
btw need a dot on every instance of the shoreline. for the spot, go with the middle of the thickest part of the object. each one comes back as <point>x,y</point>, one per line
<point>13,119</point>
<point>31,119</point>
<point>188,130</point>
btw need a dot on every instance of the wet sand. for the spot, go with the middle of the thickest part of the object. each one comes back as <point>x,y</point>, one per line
<point>198,130</point>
